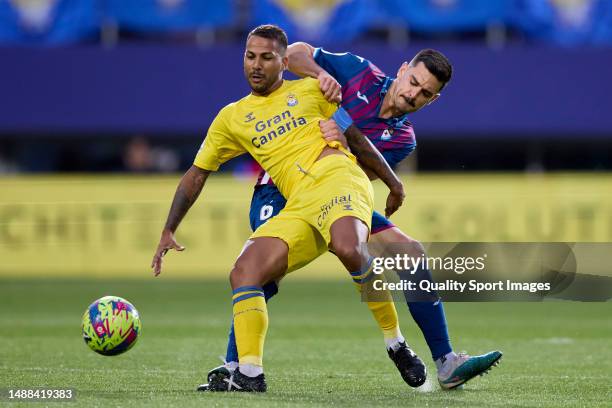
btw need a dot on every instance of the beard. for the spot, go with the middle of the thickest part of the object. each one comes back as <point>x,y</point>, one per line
<point>262,87</point>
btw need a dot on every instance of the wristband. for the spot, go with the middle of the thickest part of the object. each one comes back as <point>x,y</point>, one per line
<point>342,118</point>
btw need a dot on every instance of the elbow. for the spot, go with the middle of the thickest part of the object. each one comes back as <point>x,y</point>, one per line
<point>196,175</point>
<point>300,48</point>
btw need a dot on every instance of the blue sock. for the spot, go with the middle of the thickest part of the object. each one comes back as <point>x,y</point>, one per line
<point>270,289</point>
<point>430,318</point>
<point>428,313</point>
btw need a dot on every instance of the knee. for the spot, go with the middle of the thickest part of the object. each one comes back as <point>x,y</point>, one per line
<point>393,241</point>
<point>413,247</point>
<point>350,252</point>
<point>417,247</point>
<point>242,275</point>
<point>247,273</point>
<point>236,276</point>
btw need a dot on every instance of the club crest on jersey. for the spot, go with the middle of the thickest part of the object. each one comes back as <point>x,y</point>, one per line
<point>386,135</point>
<point>291,100</point>
<point>249,117</point>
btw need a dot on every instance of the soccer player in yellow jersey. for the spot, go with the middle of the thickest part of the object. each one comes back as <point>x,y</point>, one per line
<point>329,197</point>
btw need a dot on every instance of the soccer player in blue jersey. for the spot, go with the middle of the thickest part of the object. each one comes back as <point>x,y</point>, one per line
<point>379,106</point>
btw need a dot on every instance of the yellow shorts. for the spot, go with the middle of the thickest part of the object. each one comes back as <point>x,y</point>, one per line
<point>333,188</point>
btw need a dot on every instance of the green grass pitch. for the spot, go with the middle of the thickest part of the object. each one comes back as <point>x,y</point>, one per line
<point>322,349</point>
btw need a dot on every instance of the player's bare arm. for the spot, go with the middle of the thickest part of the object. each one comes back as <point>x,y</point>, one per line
<point>186,194</point>
<point>370,159</point>
<point>373,160</point>
<point>302,63</point>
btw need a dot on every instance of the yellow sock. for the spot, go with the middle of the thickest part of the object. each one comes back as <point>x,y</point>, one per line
<point>386,317</point>
<point>383,309</point>
<point>250,323</point>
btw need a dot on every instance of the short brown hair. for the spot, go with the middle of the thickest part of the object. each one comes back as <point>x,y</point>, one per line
<point>272,32</point>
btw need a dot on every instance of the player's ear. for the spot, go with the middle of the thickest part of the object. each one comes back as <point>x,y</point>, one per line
<point>402,69</point>
<point>285,62</point>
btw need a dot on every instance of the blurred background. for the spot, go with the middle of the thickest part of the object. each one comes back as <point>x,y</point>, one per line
<point>103,103</point>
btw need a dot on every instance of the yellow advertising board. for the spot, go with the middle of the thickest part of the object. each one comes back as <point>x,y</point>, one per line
<point>90,226</point>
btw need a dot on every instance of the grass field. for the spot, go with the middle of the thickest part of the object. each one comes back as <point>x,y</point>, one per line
<point>323,348</point>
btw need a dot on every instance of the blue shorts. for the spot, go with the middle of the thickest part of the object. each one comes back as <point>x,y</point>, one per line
<point>267,201</point>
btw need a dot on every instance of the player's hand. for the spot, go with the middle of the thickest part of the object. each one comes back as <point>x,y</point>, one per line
<point>330,87</point>
<point>166,242</point>
<point>332,133</point>
<point>395,199</point>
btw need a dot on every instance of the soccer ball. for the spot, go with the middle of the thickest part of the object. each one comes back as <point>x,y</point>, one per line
<point>111,326</point>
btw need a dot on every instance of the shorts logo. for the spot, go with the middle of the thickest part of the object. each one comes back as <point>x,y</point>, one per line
<point>344,200</point>
<point>291,100</point>
<point>249,117</point>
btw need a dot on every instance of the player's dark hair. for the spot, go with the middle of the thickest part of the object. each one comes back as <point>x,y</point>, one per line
<point>272,32</point>
<point>436,63</point>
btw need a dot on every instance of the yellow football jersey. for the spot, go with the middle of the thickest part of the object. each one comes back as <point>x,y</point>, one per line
<point>280,130</point>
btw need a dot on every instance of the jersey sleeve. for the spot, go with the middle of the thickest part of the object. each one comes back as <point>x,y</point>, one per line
<point>219,145</point>
<point>342,66</point>
<point>326,108</point>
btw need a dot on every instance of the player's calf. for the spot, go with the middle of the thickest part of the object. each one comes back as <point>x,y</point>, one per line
<point>380,303</point>
<point>262,260</point>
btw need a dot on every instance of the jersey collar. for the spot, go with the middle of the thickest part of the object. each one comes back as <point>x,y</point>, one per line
<point>395,122</point>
